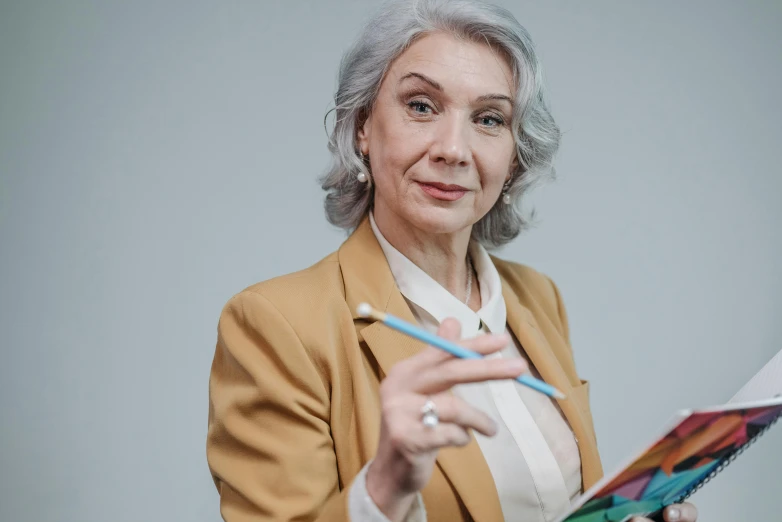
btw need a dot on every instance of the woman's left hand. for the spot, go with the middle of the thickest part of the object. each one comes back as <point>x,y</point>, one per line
<point>675,513</point>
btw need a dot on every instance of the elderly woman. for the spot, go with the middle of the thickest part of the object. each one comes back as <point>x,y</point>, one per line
<point>316,414</point>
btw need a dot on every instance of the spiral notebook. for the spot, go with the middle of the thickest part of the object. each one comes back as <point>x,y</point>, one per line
<point>694,447</point>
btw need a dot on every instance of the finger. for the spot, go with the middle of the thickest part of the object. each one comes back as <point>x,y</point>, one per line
<point>684,512</point>
<point>443,435</point>
<point>486,344</point>
<point>450,329</point>
<point>463,371</point>
<point>403,418</point>
<point>454,410</point>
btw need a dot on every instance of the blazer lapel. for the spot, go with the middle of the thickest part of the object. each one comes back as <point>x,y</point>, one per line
<point>368,278</point>
<point>523,324</point>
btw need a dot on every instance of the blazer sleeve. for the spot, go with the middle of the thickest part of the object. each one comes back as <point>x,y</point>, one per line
<point>269,446</point>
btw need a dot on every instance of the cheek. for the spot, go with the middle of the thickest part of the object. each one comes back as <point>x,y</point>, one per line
<point>494,168</point>
<point>399,147</point>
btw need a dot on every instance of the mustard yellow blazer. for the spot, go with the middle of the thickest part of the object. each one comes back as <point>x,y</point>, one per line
<point>294,409</point>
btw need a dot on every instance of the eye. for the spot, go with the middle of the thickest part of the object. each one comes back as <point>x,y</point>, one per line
<point>420,107</point>
<point>490,120</point>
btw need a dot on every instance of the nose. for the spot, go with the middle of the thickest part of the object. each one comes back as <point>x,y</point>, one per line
<point>450,144</point>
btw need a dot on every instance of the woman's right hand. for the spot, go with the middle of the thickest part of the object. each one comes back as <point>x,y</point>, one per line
<point>407,449</point>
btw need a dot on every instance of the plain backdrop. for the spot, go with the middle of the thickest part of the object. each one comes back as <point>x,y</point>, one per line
<point>156,157</point>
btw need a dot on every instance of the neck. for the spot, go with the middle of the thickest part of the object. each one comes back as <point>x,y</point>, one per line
<point>443,256</point>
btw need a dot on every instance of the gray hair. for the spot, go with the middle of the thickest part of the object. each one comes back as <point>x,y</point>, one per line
<point>393,29</point>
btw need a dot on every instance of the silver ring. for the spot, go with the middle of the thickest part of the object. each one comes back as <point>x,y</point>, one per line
<point>429,416</point>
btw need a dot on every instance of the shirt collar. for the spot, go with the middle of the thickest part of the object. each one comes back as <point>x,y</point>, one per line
<point>427,294</point>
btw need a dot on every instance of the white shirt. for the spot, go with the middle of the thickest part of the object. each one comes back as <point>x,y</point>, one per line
<point>533,458</point>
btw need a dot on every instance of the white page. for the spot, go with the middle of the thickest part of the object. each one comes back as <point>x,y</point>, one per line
<point>765,384</point>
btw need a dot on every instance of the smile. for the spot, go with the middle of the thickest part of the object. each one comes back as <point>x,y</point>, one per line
<point>443,192</point>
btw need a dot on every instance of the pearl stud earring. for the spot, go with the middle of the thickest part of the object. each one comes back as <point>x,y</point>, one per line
<point>505,195</point>
<point>361,176</point>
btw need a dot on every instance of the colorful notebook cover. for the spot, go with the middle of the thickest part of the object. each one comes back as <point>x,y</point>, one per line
<point>694,447</point>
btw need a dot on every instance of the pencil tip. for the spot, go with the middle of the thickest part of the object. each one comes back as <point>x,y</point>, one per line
<point>559,395</point>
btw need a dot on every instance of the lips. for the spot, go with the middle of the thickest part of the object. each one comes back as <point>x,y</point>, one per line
<point>442,191</point>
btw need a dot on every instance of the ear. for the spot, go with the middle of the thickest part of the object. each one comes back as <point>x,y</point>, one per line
<point>514,165</point>
<point>363,135</point>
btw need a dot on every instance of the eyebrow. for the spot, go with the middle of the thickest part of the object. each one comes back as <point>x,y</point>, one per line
<point>421,77</point>
<point>498,97</point>
<point>437,86</point>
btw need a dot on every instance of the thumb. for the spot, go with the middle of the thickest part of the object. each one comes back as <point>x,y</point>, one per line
<point>685,512</point>
<point>450,329</point>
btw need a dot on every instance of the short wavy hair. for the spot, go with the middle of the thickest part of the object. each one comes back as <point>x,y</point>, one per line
<point>392,30</point>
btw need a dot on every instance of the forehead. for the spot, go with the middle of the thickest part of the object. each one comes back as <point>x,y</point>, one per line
<point>457,64</point>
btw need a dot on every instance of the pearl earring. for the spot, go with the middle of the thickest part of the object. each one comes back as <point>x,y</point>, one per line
<point>505,195</point>
<point>361,176</point>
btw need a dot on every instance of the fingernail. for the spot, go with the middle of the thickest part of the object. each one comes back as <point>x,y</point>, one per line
<point>673,514</point>
<point>517,365</point>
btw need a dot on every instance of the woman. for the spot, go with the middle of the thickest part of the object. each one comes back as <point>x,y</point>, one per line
<point>316,414</point>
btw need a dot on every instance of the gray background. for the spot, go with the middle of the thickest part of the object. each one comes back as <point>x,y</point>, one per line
<point>157,157</point>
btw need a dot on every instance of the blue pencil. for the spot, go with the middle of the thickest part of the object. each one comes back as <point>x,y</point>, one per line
<point>365,310</point>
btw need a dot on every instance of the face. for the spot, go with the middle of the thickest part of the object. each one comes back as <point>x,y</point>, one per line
<point>438,137</point>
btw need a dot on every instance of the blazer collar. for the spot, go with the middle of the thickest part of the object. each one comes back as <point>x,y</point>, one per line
<point>368,278</point>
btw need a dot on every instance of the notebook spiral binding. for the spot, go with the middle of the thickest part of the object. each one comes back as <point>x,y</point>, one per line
<point>731,457</point>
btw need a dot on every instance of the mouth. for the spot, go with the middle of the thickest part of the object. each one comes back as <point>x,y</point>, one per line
<point>442,191</point>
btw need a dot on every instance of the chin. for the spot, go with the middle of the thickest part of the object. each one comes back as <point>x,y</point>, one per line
<point>439,220</point>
